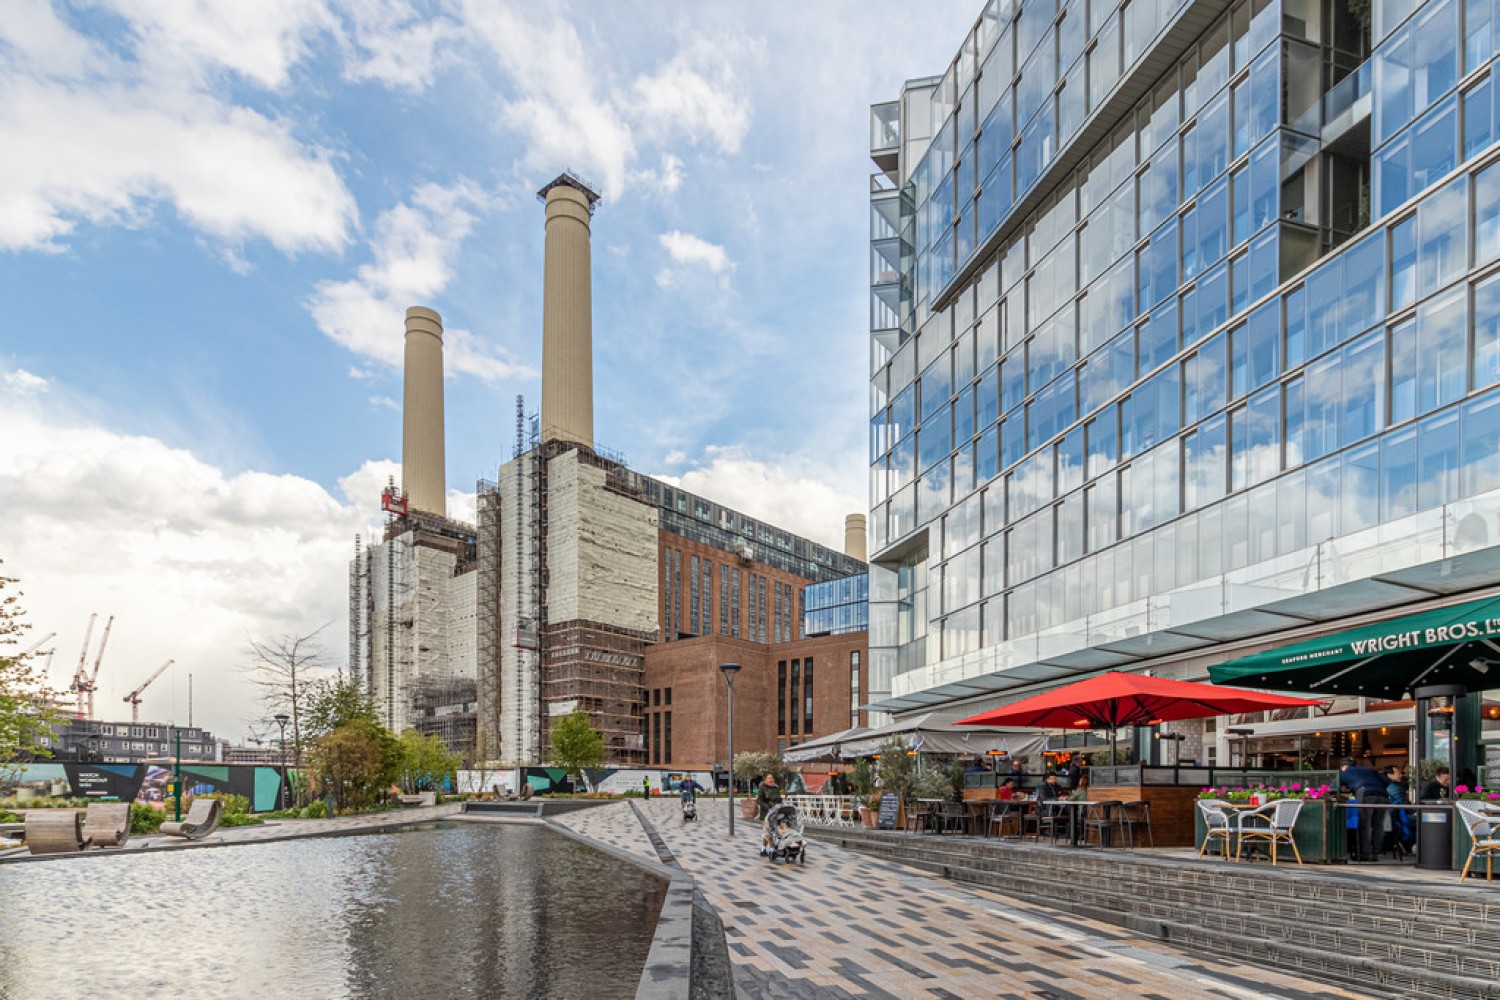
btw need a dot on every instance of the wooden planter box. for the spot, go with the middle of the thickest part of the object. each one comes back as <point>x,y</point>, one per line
<point>1319,833</point>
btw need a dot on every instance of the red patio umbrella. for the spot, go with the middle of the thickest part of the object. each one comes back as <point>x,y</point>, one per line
<point>1116,699</point>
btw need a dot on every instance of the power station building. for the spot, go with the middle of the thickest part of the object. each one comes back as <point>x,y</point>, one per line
<point>582,579</point>
<point>1185,322</point>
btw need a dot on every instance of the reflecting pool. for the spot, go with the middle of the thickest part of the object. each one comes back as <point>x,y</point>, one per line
<point>453,910</point>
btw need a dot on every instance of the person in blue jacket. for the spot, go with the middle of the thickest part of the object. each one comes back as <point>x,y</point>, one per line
<point>1366,785</point>
<point>1402,834</point>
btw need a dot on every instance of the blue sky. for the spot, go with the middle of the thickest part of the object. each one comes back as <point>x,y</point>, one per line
<point>213,215</point>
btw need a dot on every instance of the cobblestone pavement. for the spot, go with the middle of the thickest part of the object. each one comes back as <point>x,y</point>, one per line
<point>847,925</point>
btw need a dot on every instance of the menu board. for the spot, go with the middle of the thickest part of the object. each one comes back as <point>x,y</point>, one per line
<point>890,805</point>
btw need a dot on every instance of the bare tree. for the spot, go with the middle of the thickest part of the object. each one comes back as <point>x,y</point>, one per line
<point>286,669</point>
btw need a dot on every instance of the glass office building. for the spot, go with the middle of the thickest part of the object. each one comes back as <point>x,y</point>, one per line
<point>836,607</point>
<point>1185,328</point>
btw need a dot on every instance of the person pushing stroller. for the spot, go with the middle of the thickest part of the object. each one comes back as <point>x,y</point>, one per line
<point>688,789</point>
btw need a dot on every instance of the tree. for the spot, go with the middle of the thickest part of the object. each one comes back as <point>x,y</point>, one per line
<point>356,762</point>
<point>334,703</point>
<point>576,744</point>
<point>286,670</point>
<point>26,716</point>
<point>896,768</point>
<point>425,762</point>
<point>752,765</point>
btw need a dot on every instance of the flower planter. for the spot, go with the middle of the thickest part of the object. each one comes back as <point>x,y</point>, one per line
<point>1319,833</point>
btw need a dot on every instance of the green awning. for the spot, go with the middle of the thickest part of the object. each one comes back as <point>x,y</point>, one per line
<point>1459,645</point>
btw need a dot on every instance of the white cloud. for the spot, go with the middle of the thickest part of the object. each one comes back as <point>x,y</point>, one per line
<point>22,382</point>
<point>389,42</point>
<point>694,252</point>
<point>189,559</point>
<point>685,248</point>
<point>385,402</point>
<point>109,138</point>
<point>796,496</point>
<point>571,109</point>
<point>413,250</point>
<point>258,39</point>
<point>695,93</point>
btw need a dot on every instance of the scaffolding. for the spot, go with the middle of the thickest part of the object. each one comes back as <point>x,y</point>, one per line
<point>447,707</point>
<point>487,624</point>
<point>601,670</point>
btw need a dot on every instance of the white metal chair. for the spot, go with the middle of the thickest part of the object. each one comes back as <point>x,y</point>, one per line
<point>1271,824</point>
<point>1480,822</point>
<point>1216,824</point>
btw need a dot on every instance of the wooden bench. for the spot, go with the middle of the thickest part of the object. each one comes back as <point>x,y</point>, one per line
<point>202,819</point>
<point>55,831</point>
<point>107,824</point>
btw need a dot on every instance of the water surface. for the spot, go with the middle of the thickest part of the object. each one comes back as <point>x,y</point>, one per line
<point>457,910</point>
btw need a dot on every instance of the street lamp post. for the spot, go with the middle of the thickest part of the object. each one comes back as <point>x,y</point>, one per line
<point>177,775</point>
<point>282,720</point>
<point>729,670</point>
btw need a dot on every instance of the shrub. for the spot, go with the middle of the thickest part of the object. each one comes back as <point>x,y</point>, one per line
<point>240,819</point>
<point>931,784</point>
<point>234,805</point>
<point>145,819</point>
<point>316,809</point>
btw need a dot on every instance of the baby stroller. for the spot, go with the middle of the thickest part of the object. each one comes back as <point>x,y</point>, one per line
<point>781,835</point>
<point>689,805</point>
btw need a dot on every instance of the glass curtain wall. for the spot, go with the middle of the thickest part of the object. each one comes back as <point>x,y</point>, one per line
<point>1197,357</point>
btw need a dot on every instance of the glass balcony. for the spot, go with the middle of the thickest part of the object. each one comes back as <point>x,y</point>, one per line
<point>1347,104</point>
<point>885,127</point>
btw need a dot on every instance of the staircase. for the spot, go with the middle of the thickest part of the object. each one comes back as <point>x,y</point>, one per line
<point>1383,937</point>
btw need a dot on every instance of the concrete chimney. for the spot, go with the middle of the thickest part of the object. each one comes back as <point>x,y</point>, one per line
<point>423,475</point>
<point>568,313</point>
<point>854,537</point>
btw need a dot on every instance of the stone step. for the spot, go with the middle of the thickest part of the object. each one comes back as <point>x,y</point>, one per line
<point>1431,944</point>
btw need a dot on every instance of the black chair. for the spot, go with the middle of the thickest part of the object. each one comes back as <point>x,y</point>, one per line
<point>1053,817</point>
<point>1103,820</point>
<point>1002,813</point>
<point>950,816</point>
<point>1133,815</point>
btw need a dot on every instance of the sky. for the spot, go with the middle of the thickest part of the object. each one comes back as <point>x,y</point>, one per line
<point>214,213</point>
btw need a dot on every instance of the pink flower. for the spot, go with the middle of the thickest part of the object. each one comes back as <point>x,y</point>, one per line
<point>1460,789</point>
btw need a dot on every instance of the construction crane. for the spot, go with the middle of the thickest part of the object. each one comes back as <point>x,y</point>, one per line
<point>36,645</point>
<point>84,683</point>
<point>134,697</point>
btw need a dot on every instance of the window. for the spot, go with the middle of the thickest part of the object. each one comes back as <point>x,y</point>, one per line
<point>1487,215</point>
<point>796,677</point>
<point>1486,367</point>
<point>781,696</point>
<point>1442,235</point>
<point>854,697</point>
<point>667,738</point>
<point>807,696</point>
<point>693,599</point>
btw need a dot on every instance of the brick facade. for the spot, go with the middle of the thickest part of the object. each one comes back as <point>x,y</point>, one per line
<point>685,695</point>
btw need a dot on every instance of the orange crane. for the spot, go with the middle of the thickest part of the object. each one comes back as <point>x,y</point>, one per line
<point>134,697</point>
<point>84,683</point>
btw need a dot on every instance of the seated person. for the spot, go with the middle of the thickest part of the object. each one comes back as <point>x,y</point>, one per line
<point>1007,790</point>
<point>1050,791</point>
<point>1437,788</point>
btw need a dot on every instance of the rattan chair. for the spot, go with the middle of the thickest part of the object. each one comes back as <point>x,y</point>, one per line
<point>1216,824</point>
<point>1481,826</point>
<point>1270,824</point>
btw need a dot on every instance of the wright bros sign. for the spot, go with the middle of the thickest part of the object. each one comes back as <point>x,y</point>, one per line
<point>1437,635</point>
